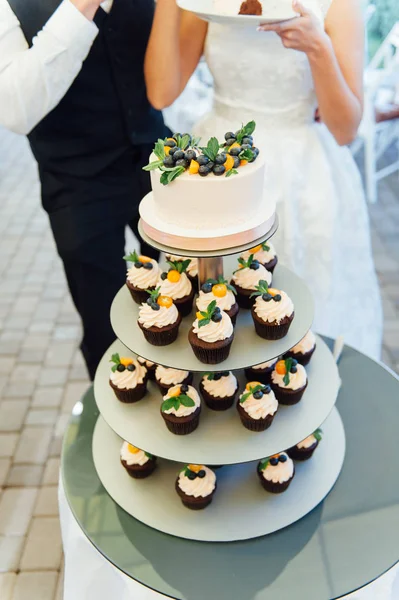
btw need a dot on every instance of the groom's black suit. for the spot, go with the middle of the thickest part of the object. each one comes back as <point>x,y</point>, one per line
<point>90,150</point>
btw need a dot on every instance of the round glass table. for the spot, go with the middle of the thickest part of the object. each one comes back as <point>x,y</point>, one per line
<point>342,545</point>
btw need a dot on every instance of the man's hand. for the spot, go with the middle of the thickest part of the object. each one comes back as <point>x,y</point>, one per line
<point>88,8</point>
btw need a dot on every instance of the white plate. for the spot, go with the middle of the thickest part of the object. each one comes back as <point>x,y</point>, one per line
<point>205,9</point>
<point>241,508</point>
<point>220,437</point>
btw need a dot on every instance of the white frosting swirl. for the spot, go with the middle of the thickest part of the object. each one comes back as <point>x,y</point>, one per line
<point>274,311</point>
<point>198,487</point>
<point>144,278</point>
<point>147,363</point>
<point>213,332</point>
<point>265,365</point>
<point>222,388</point>
<point>133,458</point>
<point>297,380</point>
<point>307,442</point>
<point>127,380</point>
<point>263,256</point>
<point>176,290</point>
<point>157,318</point>
<point>224,303</point>
<point>281,472</point>
<point>170,376</point>
<point>192,268</point>
<point>183,411</point>
<point>249,278</point>
<point>306,344</point>
<point>260,409</point>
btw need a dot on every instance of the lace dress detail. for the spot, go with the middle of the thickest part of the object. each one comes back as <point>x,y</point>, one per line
<point>324,229</point>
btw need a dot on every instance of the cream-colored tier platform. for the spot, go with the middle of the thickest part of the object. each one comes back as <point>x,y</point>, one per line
<point>220,437</point>
<point>241,508</point>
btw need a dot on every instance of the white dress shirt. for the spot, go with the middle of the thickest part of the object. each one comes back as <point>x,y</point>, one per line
<point>34,80</point>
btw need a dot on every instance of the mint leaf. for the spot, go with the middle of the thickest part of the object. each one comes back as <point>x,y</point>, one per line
<point>263,464</point>
<point>210,376</point>
<point>195,141</point>
<point>115,358</point>
<point>186,400</point>
<point>231,172</point>
<point>244,397</point>
<point>265,247</point>
<point>212,149</point>
<point>261,288</point>
<point>203,322</point>
<point>318,434</point>
<point>288,365</point>
<point>211,308</point>
<point>246,154</point>
<point>154,165</point>
<point>132,257</point>
<point>184,141</point>
<point>168,404</point>
<point>148,455</point>
<point>159,149</point>
<point>249,128</point>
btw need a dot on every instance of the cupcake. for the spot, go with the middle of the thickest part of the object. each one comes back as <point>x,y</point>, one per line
<point>138,464</point>
<point>224,294</point>
<point>262,372</point>
<point>211,335</point>
<point>304,450</point>
<point>272,313</point>
<point>196,485</point>
<point>181,408</point>
<point>150,366</point>
<point>175,284</point>
<point>289,381</point>
<point>257,406</point>
<point>276,473</point>
<point>219,390</point>
<point>143,275</point>
<point>128,379</point>
<point>192,269</point>
<point>167,378</point>
<point>159,319</point>
<point>303,351</point>
<point>265,254</point>
<point>246,279</point>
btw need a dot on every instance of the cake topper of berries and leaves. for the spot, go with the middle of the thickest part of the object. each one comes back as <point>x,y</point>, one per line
<point>267,293</point>
<point>194,471</point>
<point>215,375</point>
<point>264,246</point>
<point>251,263</point>
<point>180,266</point>
<point>212,313</point>
<point>287,367</point>
<point>176,401</point>
<point>122,363</point>
<point>273,461</point>
<point>318,434</point>
<point>139,261</point>
<point>156,300</point>
<point>255,389</point>
<point>219,287</point>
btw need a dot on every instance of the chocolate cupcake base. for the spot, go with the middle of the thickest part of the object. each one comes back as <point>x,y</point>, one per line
<point>273,330</point>
<point>164,388</point>
<point>302,454</point>
<point>262,375</point>
<point>140,471</point>
<point>274,488</point>
<point>185,305</point>
<point>182,425</point>
<point>286,396</point>
<point>194,282</point>
<point>192,502</point>
<point>303,359</point>
<point>243,297</point>
<point>210,354</point>
<point>254,424</point>
<point>138,295</point>
<point>215,402</point>
<point>161,336</point>
<point>233,312</point>
<point>129,396</point>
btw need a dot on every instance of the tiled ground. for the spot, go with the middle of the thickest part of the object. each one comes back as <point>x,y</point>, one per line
<point>42,374</point>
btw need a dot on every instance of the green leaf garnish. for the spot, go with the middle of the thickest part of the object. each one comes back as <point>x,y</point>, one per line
<point>245,131</point>
<point>247,154</point>
<point>265,247</point>
<point>209,375</point>
<point>132,257</point>
<point>148,455</point>
<point>231,172</point>
<point>156,164</point>
<point>244,264</point>
<point>222,281</point>
<point>159,149</point>
<point>212,149</point>
<point>184,141</point>
<point>176,402</point>
<point>261,288</point>
<point>195,141</point>
<point>116,359</point>
<point>170,175</point>
<point>154,294</point>
<point>246,395</point>
<point>207,314</point>
<point>288,365</point>
<point>180,266</point>
<point>318,434</point>
<point>263,464</point>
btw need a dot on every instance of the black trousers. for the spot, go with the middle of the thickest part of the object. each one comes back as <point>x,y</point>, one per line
<point>88,219</point>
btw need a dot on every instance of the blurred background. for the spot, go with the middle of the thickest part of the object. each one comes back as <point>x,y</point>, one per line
<point>42,374</point>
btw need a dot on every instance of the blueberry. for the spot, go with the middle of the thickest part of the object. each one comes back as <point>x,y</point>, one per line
<point>293,369</point>
<point>246,147</point>
<point>217,317</point>
<point>210,165</point>
<point>230,142</point>
<point>277,298</point>
<point>138,265</point>
<point>178,155</point>
<point>173,150</point>
<point>266,297</point>
<point>255,265</point>
<point>191,475</point>
<point>266,389</point>
<point>182,162</point>
<point>229,136</point>
<point>149,266</point>
<point>235,151</point>
<point>217,309</point>
<point>155,306</point>
<point>225,373</point>
<point>190,155</point>
<point>170,143</point>
<point>168,161</point>
<point>204,170</point>
<point>217,377</point>
<point>237,132</point>
<point>184,388</point>
<point>294,362</point>
<point>207,288</point>
<point>256,150</point>
<point>236,162</point>
<point>120,368</point>
<point>219,170</point>
<point>201,474</point>
<point>149,301</point>
<point>273,461</point>
<point>131,367</point>
<point>164,276</point>
<point>282,458</point>
<point>221,158</point>
<point>248,140</point>
<point>258,395</point>
<point>202,159</point>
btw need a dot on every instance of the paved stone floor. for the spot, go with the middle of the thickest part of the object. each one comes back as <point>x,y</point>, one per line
<point>42,373</point>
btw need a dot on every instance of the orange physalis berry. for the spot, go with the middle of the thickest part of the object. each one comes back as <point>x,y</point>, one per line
<point>165,301</point>
<point>167,150</point>
<point>252,384</point>
<point>195,468</point>
<point>173,276</point>
<point>126,361</point>
<point>133,449</point>
<point>170,140</point>
<point>280,367</point>
<point>243,163</point>
<point>199,316</point>
<point>256,249</point>
<point>235,145</point>
<point>273,291</point>
<point>194,167</point>
<point>144,259</point>
<point>219,290</point>
<point>229,164</point>
<point>174,392</point>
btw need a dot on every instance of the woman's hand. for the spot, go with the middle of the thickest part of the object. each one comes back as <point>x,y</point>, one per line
<point>304,33</point>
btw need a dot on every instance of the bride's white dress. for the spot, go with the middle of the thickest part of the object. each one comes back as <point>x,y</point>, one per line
<point>324,229</point>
